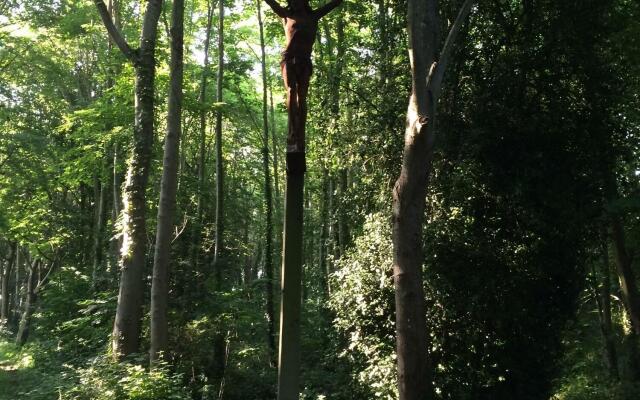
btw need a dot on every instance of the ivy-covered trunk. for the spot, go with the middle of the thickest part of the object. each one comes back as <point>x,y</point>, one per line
<point>126,330</point>
<point>127,326</point>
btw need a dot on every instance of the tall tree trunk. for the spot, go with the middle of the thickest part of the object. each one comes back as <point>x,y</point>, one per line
<point>383,9</point>
<point>218,256</point>
<point>247,263</point>
<point>624,260</point>
<point>414,369</point>
<point>630,294</point>
<point>339,221</point>
<point>169,184</point>
<point>29,304</point>
<point>268,197</point>
<point>289,355</point>
<point>332,244</point>
<point>625,273</point>
<point>604,307</point>
<point>343,226</point>
<point>116,242</point>
<point>277,200</point>
<point>195,249</point>
<point>218,249</point>
<point>127,326</point>
<point>126,332</point>
<point>276,174</point>
<point>117,184</point>
<point>6,276</point>
<point>17,299</point>
<point>85,222</point>
<point>324,234</point>
<point>101,198</point>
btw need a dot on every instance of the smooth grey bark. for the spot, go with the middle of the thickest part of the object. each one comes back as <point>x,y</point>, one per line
<point>324,234</point>
<point>117,184</point>
<point>17,299</point>
<point>332,244</point>
<point>277,200</point>
<point>339,183</point>
<point>86,222</point>
<point>247,263</point>
<point>219,362</point>
<point>268,196</point>
<point>202,99</point>
<point>307,247</point>
<point>219,237</point>
<point>276,174</point>
<point>116,241</point>
<point>127,325</point>
<point>98,231</point>
<point>29,304</point>
<point>427,69</point>
<point>343,225</point>
<point>6,276</point>
<point>168,188</point>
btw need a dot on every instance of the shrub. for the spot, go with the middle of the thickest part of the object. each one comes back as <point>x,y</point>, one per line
<point>363,299</point>
<point>104,379</point>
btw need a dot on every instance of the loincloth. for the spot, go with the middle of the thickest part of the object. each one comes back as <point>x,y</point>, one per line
<point>300,62</point>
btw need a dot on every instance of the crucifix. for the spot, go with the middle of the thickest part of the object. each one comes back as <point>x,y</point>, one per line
<point>301,26</point>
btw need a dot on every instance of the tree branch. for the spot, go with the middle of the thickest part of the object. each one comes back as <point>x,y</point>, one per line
<point>115,34</point>
<point>278,9</point>
<point>42,282</point>
<point>436,75</point>
<point>167,29</point>
<point>326,9</point>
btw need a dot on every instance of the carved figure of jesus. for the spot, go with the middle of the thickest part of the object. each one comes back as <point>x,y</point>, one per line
<point>300,26</point>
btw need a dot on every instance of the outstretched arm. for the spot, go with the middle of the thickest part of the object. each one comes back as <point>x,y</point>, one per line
<point>326,9</point>
<point>277,8</point>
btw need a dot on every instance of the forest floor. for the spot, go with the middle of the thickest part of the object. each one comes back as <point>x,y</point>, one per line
<point>583,368</point>
<point>18,373</point>
<point>33,372</point>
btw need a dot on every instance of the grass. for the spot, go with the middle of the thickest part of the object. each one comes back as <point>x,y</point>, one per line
<point>20,377</point>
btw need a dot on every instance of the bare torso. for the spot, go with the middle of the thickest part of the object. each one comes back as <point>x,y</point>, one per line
<point>300,31</point>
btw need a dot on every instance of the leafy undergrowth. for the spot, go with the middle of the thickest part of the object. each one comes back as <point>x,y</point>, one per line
<point>584,371</point>
<point>21,376</point>
<point>31,373</point>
